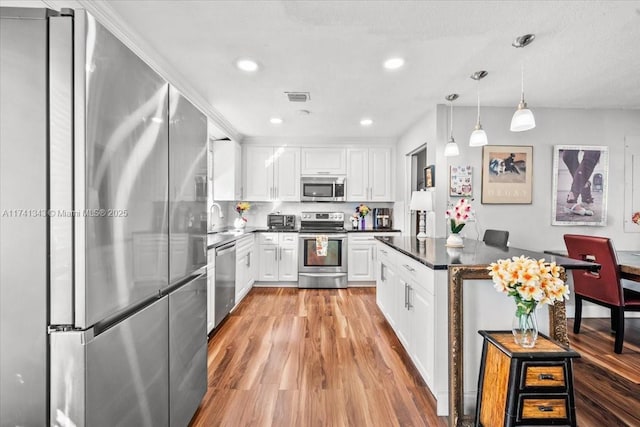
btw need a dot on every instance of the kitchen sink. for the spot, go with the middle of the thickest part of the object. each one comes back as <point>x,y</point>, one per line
<point>231,232</point>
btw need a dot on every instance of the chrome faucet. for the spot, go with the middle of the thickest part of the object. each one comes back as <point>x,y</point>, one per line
<point>220,214</point>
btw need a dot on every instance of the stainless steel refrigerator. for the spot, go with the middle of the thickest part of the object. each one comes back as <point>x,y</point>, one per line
<point>102,231</point>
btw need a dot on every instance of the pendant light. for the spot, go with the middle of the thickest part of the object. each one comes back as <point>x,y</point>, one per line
<point>523,117</point>
<point>478,136</point>
<point>451,149</point>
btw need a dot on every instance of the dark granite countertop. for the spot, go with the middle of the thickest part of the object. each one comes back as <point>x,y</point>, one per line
<point>227,234</point>
<point>434,254</point>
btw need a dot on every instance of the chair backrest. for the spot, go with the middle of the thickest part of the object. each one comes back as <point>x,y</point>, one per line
<point>498,238</point>
<point>603,285</point>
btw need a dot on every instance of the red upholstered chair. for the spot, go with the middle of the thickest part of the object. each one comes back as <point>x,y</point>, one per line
<point>603,287</point>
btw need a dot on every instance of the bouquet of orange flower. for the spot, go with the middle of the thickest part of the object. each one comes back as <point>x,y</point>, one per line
<point>529,282</point>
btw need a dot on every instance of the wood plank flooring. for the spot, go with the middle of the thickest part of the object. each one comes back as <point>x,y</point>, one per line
<point>289,357</point>
<point>606,384</point>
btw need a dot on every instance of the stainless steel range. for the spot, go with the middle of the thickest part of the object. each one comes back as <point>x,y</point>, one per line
<point>323,250</point>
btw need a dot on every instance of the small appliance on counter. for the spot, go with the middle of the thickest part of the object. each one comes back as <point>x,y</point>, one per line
<point>382,218</point>
<point>277,221</point>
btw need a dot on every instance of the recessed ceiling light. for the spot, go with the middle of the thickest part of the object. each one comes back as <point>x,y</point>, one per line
<point>246,64</point>
<point>275,120</point>
<point>366,122</point>
<point>393,63</point>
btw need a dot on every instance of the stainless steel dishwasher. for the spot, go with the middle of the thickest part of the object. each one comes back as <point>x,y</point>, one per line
<point>225,287</point>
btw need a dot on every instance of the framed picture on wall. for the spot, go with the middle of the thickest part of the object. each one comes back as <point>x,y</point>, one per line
<point>507,174</point>
<point>580,185</point>
<point>460,181</point>
<point>430,176</point>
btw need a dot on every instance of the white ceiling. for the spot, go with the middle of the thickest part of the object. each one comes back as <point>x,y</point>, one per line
<point>586,55</point>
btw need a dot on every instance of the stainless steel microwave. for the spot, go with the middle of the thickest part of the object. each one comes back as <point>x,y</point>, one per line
<point>323,189</point>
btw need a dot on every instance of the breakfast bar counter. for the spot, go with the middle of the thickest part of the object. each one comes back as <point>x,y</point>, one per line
<point>437,321</point>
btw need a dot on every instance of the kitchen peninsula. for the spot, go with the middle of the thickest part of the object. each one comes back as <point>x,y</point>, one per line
<point>420,292</point>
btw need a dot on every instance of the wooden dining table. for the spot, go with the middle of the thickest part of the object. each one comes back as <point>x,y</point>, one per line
<point>629,262</point>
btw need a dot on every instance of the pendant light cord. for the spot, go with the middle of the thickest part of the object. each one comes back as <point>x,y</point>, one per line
<point>478,90</point>
<point>451,113</point>
<point>522,81</point>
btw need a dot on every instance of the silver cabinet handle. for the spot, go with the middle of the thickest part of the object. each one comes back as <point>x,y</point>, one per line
<point>280,250</point>
<point>323,172</point>
<point>249,259</point>
<point>406,301</point>
<point>409,290</point>
<point>276,253</point>
<point>408,268</point>
<point>383,251</point>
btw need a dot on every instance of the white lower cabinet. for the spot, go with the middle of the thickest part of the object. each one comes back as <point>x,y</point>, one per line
<point>245,265</point>
<point>361,258</point>
<point>278,257</point>
<point>405,294</point>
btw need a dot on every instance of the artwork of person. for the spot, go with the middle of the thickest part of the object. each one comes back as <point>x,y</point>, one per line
<point>580,196</point>
<point>510,164</point>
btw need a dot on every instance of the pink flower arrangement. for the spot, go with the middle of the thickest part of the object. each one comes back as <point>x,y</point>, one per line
<point>529,282</point>
<point>635,218</point>
<point>459,215</point>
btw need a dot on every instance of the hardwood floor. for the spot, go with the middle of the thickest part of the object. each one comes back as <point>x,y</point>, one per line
<point>289,357</point>
<point>606,384</point>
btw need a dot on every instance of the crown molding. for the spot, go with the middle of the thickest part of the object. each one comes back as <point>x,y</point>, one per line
<point>111,20</point>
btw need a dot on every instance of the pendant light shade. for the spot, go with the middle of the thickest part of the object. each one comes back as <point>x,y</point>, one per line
<point>478,136</point>
<point>523,117</point>
<point>451,149</point>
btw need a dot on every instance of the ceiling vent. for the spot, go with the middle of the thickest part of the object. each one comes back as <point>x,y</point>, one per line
<point>298,96</point>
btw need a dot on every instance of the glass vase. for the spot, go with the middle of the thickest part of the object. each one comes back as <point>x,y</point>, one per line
<point>525,329</point>
<point>362,224</point>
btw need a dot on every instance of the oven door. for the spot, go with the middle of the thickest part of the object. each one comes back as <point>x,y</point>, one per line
<point>313,261</point>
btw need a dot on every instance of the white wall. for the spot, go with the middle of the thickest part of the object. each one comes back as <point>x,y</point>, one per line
<point>529,225</point>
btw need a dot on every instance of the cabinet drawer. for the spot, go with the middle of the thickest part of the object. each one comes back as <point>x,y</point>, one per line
<point>536,375</point>
<point>416,273</point>
<point>268,238</point>
<point>288,238</point>
<point>386,255</point>
<point>539,407</point>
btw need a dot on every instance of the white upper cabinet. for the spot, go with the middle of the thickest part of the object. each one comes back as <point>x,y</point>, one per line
<point>369,175</point>
<point>272,173</point>
<point>324,161</point>
<point>226,170</point>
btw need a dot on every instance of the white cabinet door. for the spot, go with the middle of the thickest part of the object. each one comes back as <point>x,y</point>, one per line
<point>380,188</point>
<point>287,174</point>
<point>226,170</point>
<point>422,345</point>
<point>288,263</point>
<point>358,174</point>
<point>268,263</point>
<point>403,315</point>
<point>385,292</point>
<point>360,262</point>
<point>324,161</point>
<point>258,181</point>
<point>241,276</point>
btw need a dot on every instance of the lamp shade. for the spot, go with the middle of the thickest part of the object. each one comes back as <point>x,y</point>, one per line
<point>451,149</point>
<point>478,138</point>
<point>522,120</point>
<point>421,201</point>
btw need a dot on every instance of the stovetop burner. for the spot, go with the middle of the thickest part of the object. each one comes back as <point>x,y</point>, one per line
<point>322,222</point>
